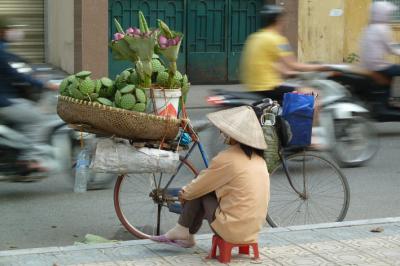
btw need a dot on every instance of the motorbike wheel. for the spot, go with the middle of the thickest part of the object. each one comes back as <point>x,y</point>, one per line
<point>96,180</point>
<point>62,143</point>
<point>67,150</point>
<point>355,141</point>
<point>8,166</point>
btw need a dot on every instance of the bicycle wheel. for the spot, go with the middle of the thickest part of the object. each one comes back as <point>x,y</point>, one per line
<point>322,195</point>
<point>141,203</point>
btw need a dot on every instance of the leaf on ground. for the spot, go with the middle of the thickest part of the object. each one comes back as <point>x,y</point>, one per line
<point>377,230</point>
<point>94,239</point>
<point>256,261</point>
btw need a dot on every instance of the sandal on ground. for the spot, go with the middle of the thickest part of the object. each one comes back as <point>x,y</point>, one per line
<point>176,243</point>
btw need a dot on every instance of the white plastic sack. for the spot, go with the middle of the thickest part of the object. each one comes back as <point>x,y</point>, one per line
<point>119,157</point>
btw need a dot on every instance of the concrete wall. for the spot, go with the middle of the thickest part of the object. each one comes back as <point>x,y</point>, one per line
<point>292,16</point>
<point>60,33</point>
<point>321,33</point>
<point>356,18</point>
<point>329,31</point>
<point>91,36</point>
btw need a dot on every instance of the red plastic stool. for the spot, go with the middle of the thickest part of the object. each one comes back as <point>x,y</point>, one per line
<point>225,249</point>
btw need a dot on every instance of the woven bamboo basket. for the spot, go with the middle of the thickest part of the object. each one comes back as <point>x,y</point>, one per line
<point>118,122</point>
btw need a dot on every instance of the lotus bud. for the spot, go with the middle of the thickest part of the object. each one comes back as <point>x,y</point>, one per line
<point>130,31</point>
<point>171,42</point>
<point>118,36</point>
<point>177,40</point>
<point>143,23</point>
<point>136,31</point>
<point>165,29</point>
<point>162,40</point>
<point>118,26</point>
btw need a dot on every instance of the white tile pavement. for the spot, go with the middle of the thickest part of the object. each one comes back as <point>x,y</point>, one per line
<point>345,243</point>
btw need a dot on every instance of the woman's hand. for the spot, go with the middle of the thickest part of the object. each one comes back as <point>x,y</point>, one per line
<point>180,197</point>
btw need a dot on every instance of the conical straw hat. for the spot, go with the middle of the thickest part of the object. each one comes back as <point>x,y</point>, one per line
<point>241,124</point>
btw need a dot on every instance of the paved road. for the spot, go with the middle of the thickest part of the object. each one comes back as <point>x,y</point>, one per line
<point>48,213</point>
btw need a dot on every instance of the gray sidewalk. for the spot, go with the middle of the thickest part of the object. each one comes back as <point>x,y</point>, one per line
<point>346,243</point>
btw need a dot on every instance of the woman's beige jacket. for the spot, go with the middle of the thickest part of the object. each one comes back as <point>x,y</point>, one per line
<point>242,188</point>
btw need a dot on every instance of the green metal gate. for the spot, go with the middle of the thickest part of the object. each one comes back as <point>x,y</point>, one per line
<point>244,20</point>
<point>207,35</point>
<point>215,31</point>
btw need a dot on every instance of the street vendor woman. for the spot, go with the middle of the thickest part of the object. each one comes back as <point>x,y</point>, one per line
<point>233,193</point>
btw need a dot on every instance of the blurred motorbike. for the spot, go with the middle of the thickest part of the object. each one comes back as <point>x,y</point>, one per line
<point>372,89</point>
<point>344,124</point>
<point>63,144</point>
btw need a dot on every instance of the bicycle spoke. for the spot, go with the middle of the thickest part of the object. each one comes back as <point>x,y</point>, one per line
<point>320,182</point>
<point>325,191</point>
<point>323,210</point>
<point>327,183</point>
<point>326,198</point>
<point>289,211</point>
<point>283,185</point>
<point>297,211</point>
<point>286,203</point>
<point>141,203</point>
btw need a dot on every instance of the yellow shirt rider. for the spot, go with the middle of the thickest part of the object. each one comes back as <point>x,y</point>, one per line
<point>267,57</point>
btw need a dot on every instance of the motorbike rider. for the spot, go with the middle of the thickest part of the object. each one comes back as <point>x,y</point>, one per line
<point>21,113</point>
<point>377,43</point>
<point>268,58</point>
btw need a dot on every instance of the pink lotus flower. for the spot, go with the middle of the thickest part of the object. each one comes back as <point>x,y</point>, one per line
<point>171,42</point>
<point>135,32</point>
<point>162,40</point>
<point>118,36</point>
<point>177,39</point>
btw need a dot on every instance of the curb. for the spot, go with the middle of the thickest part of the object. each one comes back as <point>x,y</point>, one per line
<point>332,225</point>
<point>199,237</point>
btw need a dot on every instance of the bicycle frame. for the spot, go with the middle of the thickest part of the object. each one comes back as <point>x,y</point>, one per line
<point>196,142</point>
<point>303,194</point>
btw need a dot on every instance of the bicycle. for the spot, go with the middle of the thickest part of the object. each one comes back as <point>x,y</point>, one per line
<point>149,206</point>
<point>306,187</point>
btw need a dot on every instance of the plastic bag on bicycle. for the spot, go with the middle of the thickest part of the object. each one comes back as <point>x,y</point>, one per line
<point>298,110</point>
<point>118,156</point>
